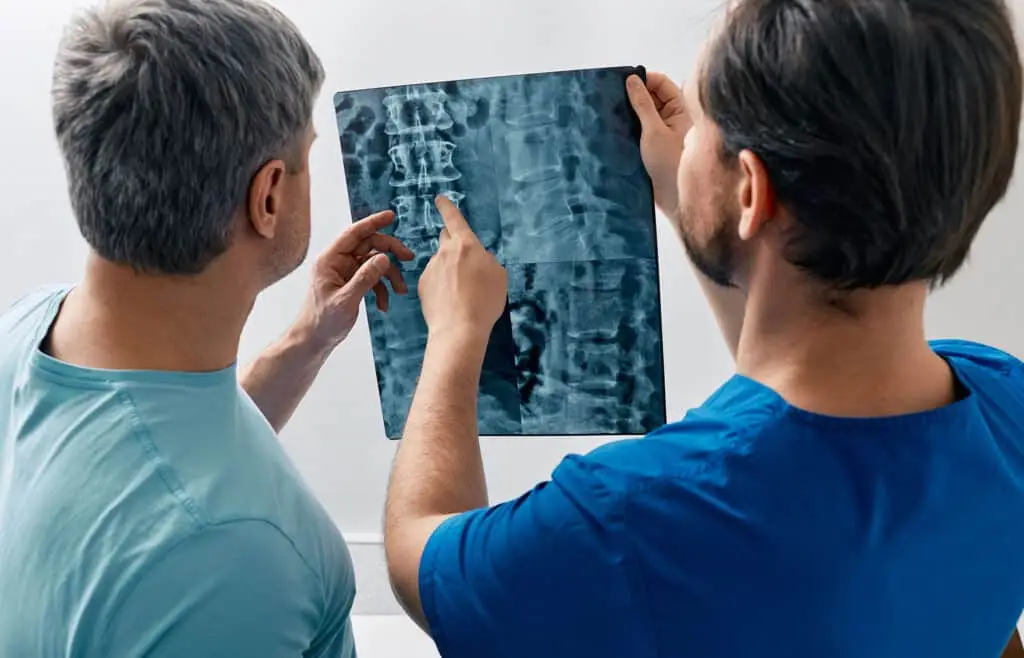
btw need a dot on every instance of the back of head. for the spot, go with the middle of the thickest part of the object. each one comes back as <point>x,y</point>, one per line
<point>888,128</point>
<point>164,110</point>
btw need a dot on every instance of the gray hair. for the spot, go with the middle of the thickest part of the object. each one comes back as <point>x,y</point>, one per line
<point>164,110</point>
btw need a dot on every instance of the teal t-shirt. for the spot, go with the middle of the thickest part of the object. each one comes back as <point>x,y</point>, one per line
<point>153,514</point>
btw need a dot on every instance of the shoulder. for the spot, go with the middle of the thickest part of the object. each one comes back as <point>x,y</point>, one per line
<point>30,307</point>
<point>34,300</point>
<point>211,454</point>
<point>247,541</point>
<point>578,537</point>
<point>239,587</point>
<point>994,376</point>
<point>225,464</point>
<point>727,424</point>
<point>978,355</point>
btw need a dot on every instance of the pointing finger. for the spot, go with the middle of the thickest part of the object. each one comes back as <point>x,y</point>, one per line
<point>454,222</point>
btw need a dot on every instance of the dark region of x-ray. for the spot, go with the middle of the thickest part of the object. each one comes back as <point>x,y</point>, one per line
<point>547,170</point>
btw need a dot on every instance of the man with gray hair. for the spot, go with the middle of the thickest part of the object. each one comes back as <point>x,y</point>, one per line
<point>146,507</point>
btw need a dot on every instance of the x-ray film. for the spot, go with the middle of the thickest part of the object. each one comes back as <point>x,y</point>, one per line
<point>547,170</point>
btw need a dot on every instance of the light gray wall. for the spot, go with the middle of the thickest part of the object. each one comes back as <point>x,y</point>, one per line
<point>336,436</point>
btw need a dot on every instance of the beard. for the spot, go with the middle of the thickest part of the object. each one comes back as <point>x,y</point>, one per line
<point>715,259</point>
<point>290,251</point>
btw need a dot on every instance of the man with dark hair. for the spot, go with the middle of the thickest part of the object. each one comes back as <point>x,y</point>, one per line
<point>146,506</point>
<point>853,490</point>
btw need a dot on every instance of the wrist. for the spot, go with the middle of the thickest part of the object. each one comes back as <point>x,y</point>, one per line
<point>304,341</point>
<point>460,339</point>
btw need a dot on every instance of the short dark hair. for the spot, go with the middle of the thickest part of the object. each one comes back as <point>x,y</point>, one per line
<point>888,128</point>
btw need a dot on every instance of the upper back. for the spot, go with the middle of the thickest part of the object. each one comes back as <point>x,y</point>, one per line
<point>758,524</point>
<point>107,475</point>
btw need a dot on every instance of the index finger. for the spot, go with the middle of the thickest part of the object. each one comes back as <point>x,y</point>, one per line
<point>456,224</point>
<point>361,230</point>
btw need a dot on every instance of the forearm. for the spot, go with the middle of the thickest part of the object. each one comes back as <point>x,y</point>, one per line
<point>438,469</point>
<point>280,376</point>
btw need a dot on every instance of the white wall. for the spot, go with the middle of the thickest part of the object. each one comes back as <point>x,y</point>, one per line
<point>337,435</point>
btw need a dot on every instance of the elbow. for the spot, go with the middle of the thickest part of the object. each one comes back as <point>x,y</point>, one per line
<point>403,575</point>
<point>394,562</point>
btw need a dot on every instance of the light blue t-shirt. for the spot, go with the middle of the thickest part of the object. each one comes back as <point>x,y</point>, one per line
<point>754,528</point>
<point>153,514</point>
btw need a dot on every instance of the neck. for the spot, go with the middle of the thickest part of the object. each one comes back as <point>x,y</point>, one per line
<point>122,320</point>
<point>861,354</point>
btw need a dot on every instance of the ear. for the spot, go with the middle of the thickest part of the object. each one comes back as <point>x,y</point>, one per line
<point>266,194</point>
<point>757,198</point>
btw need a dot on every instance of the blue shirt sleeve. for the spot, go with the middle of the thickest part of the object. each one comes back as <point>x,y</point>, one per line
<point>236,589</point>
<point>546,574</point>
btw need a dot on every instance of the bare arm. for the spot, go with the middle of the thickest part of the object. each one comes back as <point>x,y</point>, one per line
<point>280,377</point>
<point>438,471</point>
<point>349,269</point>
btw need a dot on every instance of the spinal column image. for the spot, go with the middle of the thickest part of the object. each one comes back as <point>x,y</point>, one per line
<point>547,170</point>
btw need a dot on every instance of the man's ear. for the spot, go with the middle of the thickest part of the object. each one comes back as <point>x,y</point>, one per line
<point>756,196</point>
<point>266,194</point>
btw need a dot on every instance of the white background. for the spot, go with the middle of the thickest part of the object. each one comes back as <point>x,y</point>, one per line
<point>337,436</point>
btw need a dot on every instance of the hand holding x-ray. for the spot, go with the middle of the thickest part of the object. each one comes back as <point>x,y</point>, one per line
<point>665,122</point>
<point>464,287</point>
<point>357,263</point>
<point>546,168</point>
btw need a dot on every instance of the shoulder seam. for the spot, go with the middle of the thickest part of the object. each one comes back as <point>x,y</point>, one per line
<point>648,483</point>
<point>167,474</point>
<point>208,526</point>
<point>636,579</point>
<point>1011,364</point>
<point>618,512</point>
<point>177,489</point>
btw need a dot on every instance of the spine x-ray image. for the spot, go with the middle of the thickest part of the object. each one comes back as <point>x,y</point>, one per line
<point>547,170</point>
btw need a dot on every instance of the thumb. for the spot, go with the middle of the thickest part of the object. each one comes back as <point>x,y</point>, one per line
<point>643,104</point>
<point>366,277</point>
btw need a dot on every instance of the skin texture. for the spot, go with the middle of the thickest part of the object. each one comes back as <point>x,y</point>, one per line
<point>355,264</point>
<point>438,471</point>
<point>120,319</point>
<point>666,123</point>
